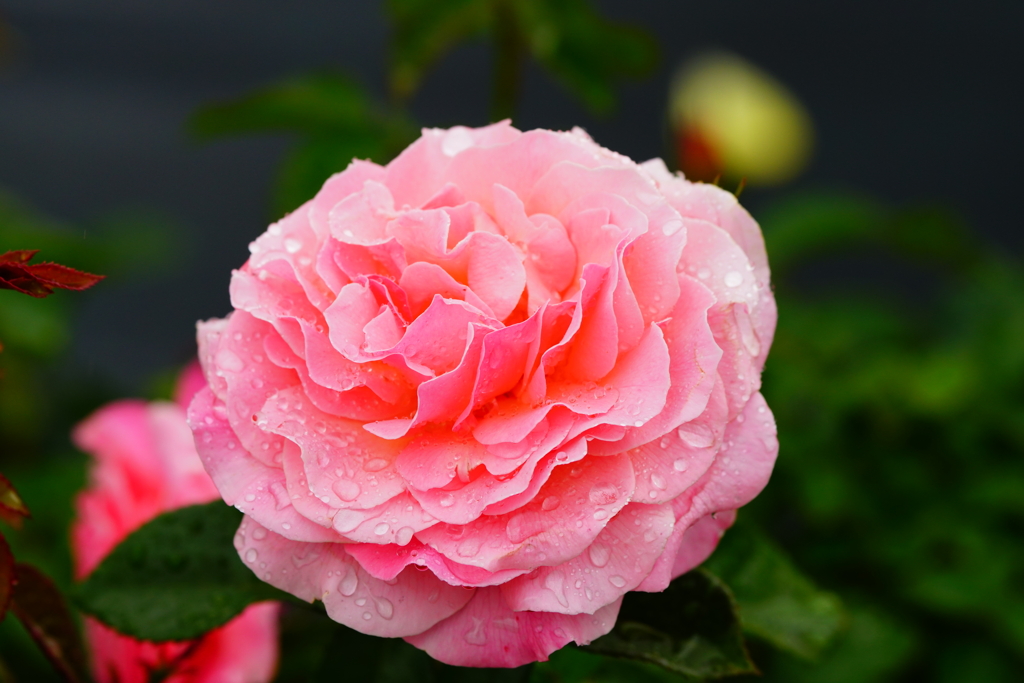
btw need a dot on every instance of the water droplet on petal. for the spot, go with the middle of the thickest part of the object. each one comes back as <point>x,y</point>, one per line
<point>658,481</point>
<point>604,494</point>
<point>404,535</point>
<point>555,582</point>
<point>259,533</point>
<point>385,608</point>
<point>679,465</point>
<point>550,503</point>
<point>446,500</point>
<point>704,273</point>
<point>346,489</point>
<point>617,581</point>
<point>733,279</point>
<point>229,361</point>
<point>381,528</point>
<point>672,227</point>
<point>476,635</point>
<point>348,585</point>
<point>470,547</point>
<point>375,465</point>
<point>696,434</point>
<point>250,555</point>
<point>292,245</point>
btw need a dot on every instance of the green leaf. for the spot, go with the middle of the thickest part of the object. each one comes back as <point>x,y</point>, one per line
<point>424,30</point>
<point>875,647</point>
<point>776,602</point>
<point>46,617</point>
<point>334,117</point>
<point>175,578</point>
<point>587,52</point>
<point>692,629</point>
<point>309,104</point>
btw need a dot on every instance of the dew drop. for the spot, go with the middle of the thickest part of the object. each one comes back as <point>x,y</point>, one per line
<point>658,481</point>
<point>672,227</point>
<point>733,279</point>
<point>604,494</point>
<point>250,497</point>
<point>367,616</point>
<point>555,582</point>
<point>259,533</point>
<point>470,547</point>
<point>346,489</point>
<point>375,465</point>
<point>476,635</point>
<point>250,555</point>
<point>679,465</point>
<point>385,608</point>
<point>617,581</point>
<point>404,535</point>
<point>446,500</point>
<point>348,585</point>
<point>704,273</point>
<point>292,245</point>
<point>600,514</point>
<point>696,434</point>
<point>382,528</point>
<point>550,503</point>
<point>229,361</point>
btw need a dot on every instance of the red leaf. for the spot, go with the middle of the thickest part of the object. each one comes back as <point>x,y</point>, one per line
<point>6,576</point>
<point>22,256</point>
<point>57,275</point>
<point>39,279</point>
<point>12,507</point>
<point>46,617</point>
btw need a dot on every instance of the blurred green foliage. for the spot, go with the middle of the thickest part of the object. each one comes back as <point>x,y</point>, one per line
<point>900,481</point>
<point>43,394</point>
<point>333,118</point>
<point>571,40</point>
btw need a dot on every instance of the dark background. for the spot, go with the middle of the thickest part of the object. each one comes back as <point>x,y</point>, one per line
<point>912,101</point>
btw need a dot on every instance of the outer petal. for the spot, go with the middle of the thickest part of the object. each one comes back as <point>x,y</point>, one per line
<point>738,474</point>
<point>257,489</point>
<point>487,633</point>
<point>618,560</point>
<point>410,604</point>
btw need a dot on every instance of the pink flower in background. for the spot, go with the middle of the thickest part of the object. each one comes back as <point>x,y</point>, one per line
<point>145,464</point>
<point>474,397</point>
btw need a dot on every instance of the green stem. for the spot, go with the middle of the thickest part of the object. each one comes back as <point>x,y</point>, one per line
<point>508,60</point>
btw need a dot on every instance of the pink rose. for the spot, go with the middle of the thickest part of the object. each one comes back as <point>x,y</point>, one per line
<point>518,362</point>
<point>146,463</point>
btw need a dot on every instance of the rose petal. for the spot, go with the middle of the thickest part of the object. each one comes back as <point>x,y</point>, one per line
<point>487,633</point>
<point>618,560</point>
<point>243,481</point>
<point>415,601</point>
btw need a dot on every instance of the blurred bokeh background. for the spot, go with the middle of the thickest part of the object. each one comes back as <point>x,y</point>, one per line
<point>878,143</point>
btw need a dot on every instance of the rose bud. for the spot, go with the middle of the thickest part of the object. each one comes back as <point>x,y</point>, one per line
<point>729,118</point>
